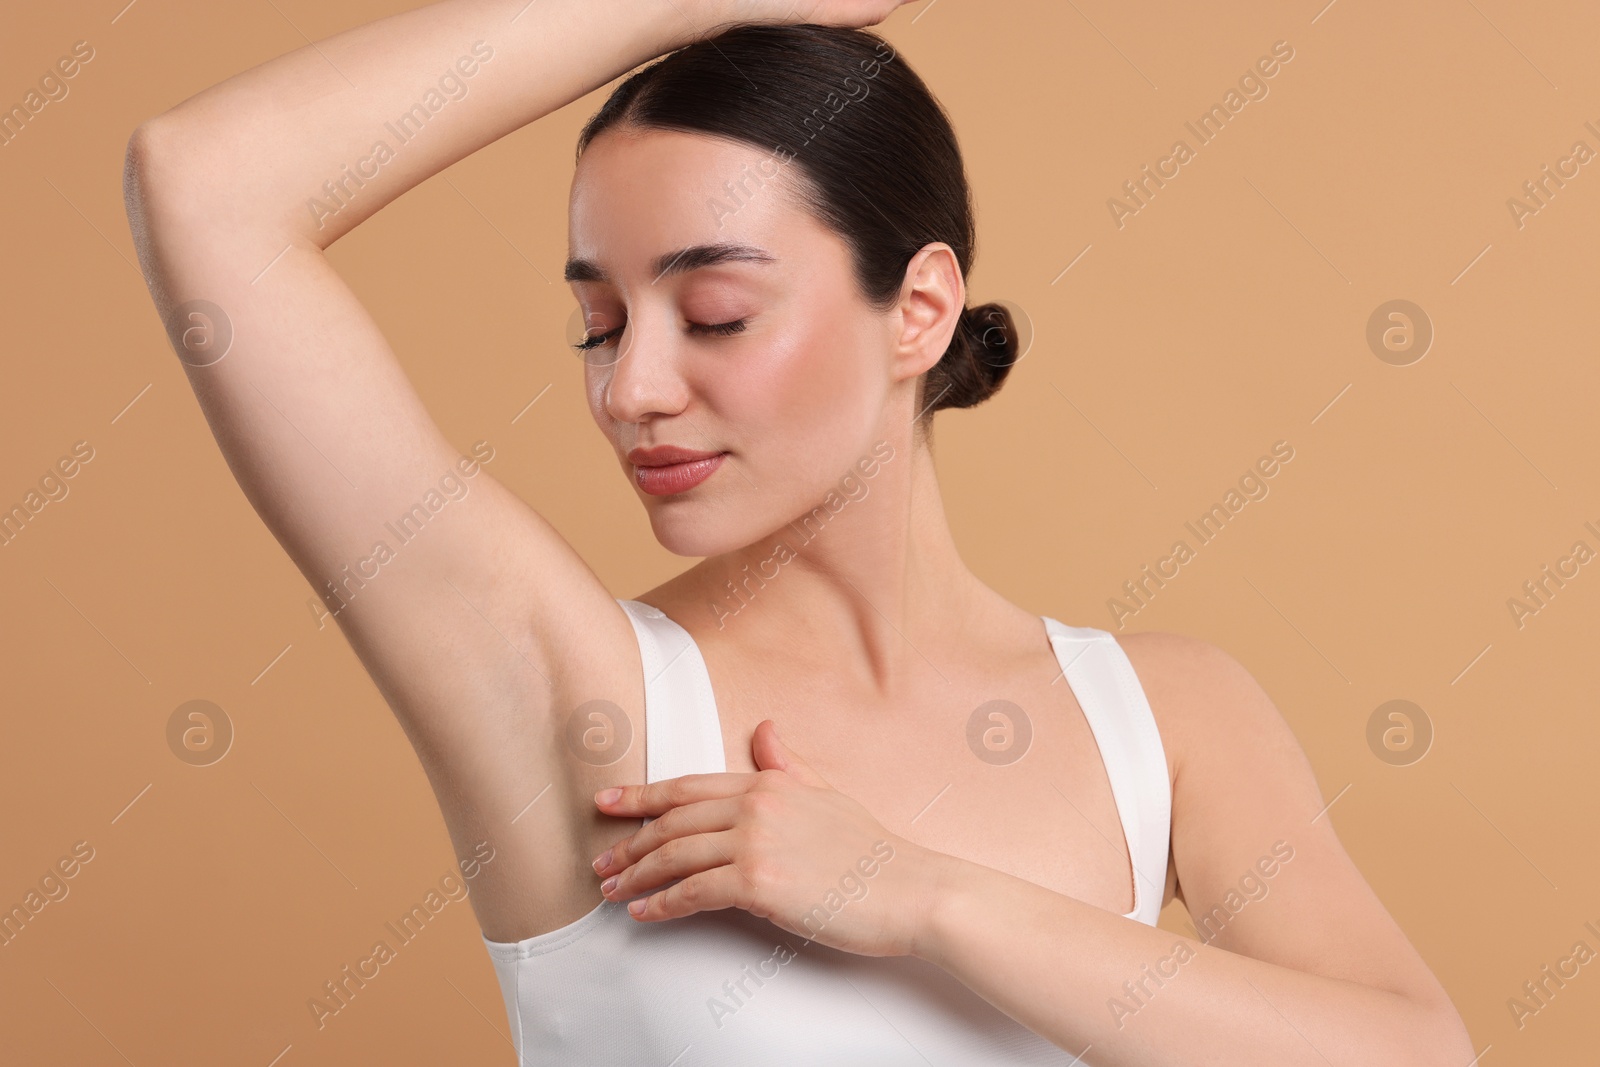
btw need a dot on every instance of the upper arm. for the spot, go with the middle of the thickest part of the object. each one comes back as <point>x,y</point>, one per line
<point>454,593</point>
<point>1262,871</point>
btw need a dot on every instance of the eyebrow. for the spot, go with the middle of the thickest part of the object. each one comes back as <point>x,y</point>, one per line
<point>682,261</point>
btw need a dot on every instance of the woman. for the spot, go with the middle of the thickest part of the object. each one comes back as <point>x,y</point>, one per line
<point>770,235</point>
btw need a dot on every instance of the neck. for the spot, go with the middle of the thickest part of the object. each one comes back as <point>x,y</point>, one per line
<point>872,580</point>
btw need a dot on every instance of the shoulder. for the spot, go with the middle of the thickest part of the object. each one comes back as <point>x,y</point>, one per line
<point>1163,654</point>
<point>1209,708</point>
<point>1241,782</point>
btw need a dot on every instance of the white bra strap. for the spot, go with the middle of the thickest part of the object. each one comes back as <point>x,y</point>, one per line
<point>683,734</point>
<point>1114,703</point>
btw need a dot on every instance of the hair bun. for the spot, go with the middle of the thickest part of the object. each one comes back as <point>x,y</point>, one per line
<point>982,352</point>
<point>994,335</point>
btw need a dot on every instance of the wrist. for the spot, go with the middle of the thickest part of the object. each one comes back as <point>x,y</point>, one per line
<point>671,26</point>
<point>698,19</point>
<point>707,18</point>
<point>943,885</point>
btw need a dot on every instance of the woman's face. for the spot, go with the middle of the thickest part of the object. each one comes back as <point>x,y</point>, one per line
<point>753,347</point>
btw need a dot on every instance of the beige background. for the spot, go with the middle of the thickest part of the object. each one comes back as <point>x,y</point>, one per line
<point>1229,313</point>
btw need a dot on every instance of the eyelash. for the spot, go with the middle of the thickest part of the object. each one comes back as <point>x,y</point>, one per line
<point>719,329</point>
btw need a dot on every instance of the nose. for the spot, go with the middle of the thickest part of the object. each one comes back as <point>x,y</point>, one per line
<point>644,378</point>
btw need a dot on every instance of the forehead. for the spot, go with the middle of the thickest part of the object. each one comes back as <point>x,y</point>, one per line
<point>638,192</point>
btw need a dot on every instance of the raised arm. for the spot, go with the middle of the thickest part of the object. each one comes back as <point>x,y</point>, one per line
<point>478,621</point>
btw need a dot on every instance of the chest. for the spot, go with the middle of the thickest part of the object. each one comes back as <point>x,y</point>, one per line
<point>1006,772</point>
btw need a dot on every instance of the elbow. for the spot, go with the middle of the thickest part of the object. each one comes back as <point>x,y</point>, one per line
<point>135,184</point>
<point>159,191</point>
<point>179,183</point>
<point>142,168</point>
<point>165,162</point>
<point>136,158</point>
<point>145,163</point>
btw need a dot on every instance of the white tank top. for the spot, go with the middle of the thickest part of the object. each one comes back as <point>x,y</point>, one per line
<point>726,988</point>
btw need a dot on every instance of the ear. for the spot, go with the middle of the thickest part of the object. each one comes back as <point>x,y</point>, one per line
<point>931,300</point>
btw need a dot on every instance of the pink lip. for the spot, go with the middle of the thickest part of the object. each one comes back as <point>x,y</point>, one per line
<point>662,455</point>
<point>668,469</point>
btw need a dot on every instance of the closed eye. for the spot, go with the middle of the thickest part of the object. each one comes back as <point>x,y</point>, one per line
<point>718,329</point>
<point>597,340</point>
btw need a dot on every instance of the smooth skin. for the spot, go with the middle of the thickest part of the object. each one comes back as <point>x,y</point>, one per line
<point>869,651</point>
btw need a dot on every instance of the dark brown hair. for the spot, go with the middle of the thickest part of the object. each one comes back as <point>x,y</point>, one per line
<point>877,161</point>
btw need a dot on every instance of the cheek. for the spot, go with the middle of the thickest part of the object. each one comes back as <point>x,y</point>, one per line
<point>800,415</point>
<point>814,384</point>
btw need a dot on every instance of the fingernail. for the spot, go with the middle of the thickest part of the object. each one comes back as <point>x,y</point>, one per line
<point>607,796</point>
<point>605,858</point>
<point>609,884</point>
<point>638,906</point>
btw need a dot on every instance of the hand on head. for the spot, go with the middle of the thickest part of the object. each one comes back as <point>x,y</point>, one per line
<point>857,14</point>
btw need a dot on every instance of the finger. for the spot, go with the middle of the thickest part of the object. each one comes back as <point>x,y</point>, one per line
<point>678,858</point>
<point>705,817</point>
<point>712,890</point>
<point>658,797</point>
<point>769,752</point>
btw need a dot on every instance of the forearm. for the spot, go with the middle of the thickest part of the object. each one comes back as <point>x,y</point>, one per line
<point>259,148</point>
<point>1138,996</point>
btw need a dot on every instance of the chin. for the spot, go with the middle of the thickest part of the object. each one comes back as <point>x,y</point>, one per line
<point>695,528</point>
